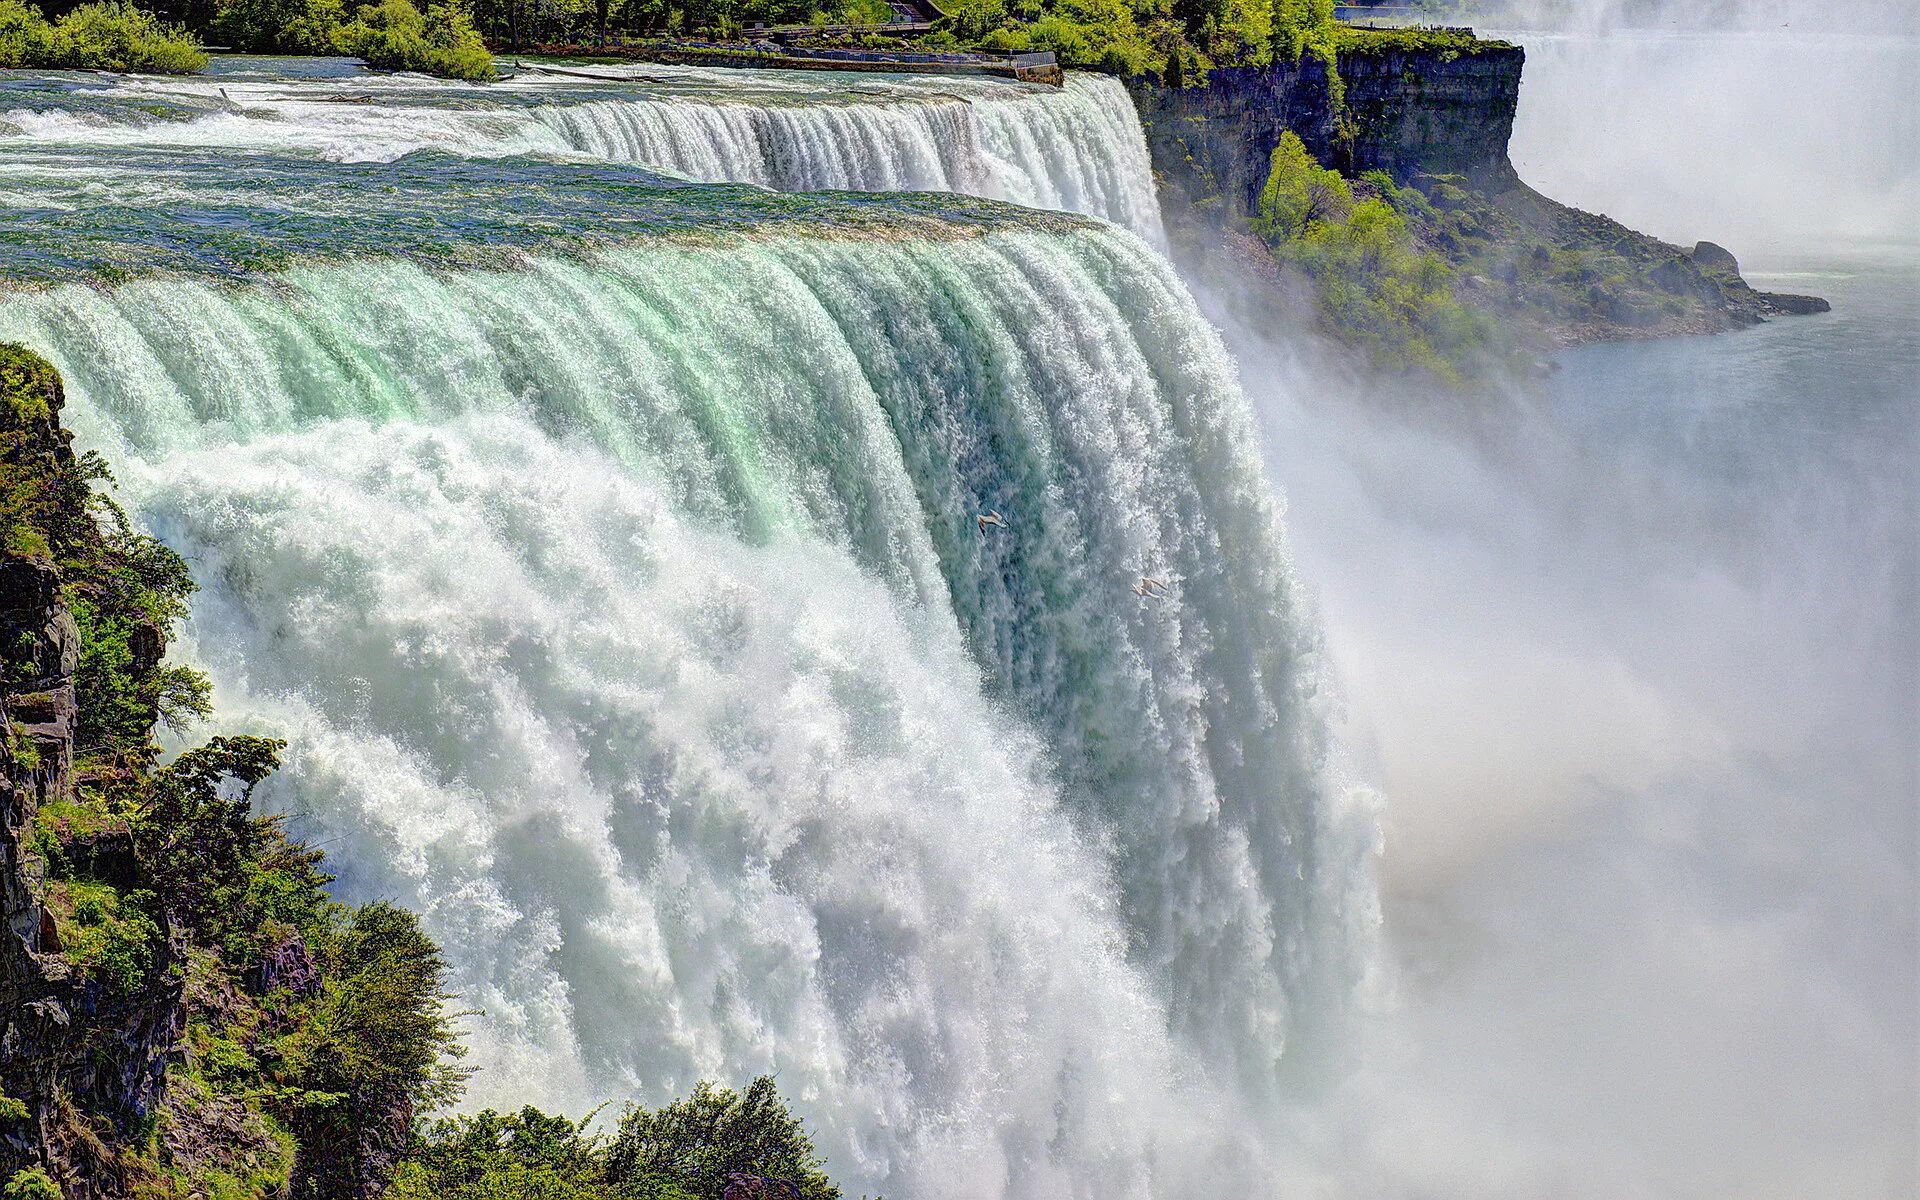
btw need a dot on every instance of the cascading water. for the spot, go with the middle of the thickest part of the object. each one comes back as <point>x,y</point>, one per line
<point>607,551</point>
<point>1077,149</point>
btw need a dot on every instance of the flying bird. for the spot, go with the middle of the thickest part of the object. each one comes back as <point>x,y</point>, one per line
<point>990,518</point>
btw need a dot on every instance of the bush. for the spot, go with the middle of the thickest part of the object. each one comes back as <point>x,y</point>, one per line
<point>1297,24</point>
<point>396,36</point>
<point>1298,192</point>
<point>282,26</point>
<point>1446,43</point>
<point>26,40</point>
<point>694,1144</point>
<point>111,35</point>
<point>105,934</point>
<point>31,1184</point>
<point>526,1156</point>
<point>1375,288</point>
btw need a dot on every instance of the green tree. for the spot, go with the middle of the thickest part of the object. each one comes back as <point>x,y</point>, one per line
<point>281,26</point>
<point>695,1143</point>
<point>527,1155</point>
<point>1297,24</point>
<point>396,36</point>
<point>111,35</point>
<point>26,39</point>
<point>1298,192</point>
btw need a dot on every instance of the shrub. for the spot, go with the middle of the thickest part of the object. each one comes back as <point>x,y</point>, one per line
<point>525,1156</point>
<point>697,1142</point>
<point>1297,24</point>
<point>1298,192</point>
<point>1375,288</point>
<point>396,36</point>
<point>111,35</point>
<point>26,40</point>
<point>105,934</point>
<point>282,26</point>
<point>1446,43</point>
<point>31,1184</point>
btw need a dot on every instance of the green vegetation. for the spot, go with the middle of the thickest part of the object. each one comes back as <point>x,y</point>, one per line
<point>1297,24</point>
<point>317,1034</point>
<point>1446,43</point>
<point>30,1184</point>
<point>392,35</point>
<point>109,937</point>
<point>682,1151</point>
<point>104,35</point>
<point>282,26</point>
<point>1177,39</point>
<point>1376,288</point>
<point>396,36</point>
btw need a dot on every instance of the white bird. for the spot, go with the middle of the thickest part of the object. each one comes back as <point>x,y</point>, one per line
<point>990,518</point>
<point>1150,588</point>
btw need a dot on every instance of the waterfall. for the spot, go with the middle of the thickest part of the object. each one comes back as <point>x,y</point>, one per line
<point>1078,149</point>
<point>628,616</point>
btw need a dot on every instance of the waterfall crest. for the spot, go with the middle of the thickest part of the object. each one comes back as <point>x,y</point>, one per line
<point>1077,149</point>
<point>629,617</point>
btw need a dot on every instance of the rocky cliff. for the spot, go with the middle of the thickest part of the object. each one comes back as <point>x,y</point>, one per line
<point>82,1062</point>
<point>184,1011</point>
<point>1404,112</point>
<point>1434,110</point>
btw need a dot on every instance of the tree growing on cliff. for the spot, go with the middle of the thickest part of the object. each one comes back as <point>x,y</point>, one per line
<point>1376,289</point>
<point>1298,192</point>
<point>1297,24</point>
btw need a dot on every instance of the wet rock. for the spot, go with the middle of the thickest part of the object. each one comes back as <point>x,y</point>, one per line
<point>1789,304</point>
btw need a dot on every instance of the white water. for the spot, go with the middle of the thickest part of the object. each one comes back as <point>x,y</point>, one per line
<point>628,618</point>
<point>1077,149</point>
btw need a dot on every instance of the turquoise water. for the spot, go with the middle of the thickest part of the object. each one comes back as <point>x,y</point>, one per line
<point>129,211</point>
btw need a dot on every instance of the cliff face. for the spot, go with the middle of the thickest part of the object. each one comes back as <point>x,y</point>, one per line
<point>68,1043</point>
<point>1438,119</point>
<point>1406,113</point>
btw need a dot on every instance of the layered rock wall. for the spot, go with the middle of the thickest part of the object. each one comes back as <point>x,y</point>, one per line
<point>1405,112</point>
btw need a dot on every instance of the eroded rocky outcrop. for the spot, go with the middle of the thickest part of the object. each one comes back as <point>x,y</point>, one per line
<point>1438,120</point>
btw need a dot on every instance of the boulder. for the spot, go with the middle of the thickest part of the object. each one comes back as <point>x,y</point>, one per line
<point>1710,257</point>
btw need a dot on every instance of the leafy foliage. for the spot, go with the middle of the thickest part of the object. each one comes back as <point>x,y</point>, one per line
<point>1297,24</point>
<point>525,1156</point>
<point>697,1142</point>
<point>103,35</point>
<point>1446,43</point>
<point>26,39</point>
<point>397,36</point>
<point>682,1151</point>
<point>108,936</point>
<point>112,35</point>
<point>30,1184</point>
<point>282,26</point>
<point>1376,289</point>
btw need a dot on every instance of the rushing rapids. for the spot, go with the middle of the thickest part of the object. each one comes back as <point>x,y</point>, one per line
<point>1079,149</point>
<point>624,603</point>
